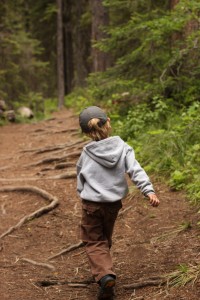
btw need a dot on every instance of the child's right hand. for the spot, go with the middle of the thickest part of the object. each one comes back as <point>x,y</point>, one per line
<point>153,199</point>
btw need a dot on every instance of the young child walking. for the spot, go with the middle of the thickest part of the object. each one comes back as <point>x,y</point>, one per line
<point>101,184</point>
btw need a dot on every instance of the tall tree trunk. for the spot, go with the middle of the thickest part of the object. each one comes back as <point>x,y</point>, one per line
<point>100,18</point>
<point>60,56</point>
<point>82,43</point>
<point>68,45</point>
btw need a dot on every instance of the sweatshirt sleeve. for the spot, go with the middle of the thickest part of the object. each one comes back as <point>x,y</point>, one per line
<point>80,178</point>
<point>137,174</point>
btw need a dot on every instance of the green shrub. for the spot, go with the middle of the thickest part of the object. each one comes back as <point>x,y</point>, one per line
<point>166,143</point>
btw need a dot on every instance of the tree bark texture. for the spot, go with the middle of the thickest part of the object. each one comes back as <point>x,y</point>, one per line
<point>60,55</point>
<point>68,45</point>
<point>100,18</point>
<point>82,43</point>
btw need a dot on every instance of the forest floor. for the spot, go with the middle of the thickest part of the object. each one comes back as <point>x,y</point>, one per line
<point>148,243</point>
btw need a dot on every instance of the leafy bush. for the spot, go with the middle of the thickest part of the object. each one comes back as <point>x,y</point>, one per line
<point>79,99</point>
<point>167,143</point>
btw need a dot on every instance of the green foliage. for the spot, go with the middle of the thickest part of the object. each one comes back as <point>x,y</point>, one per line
<point>166,142</point>
<point>154,48</point>
<point>50,106</point>
<point>79,99</point>
<point>23,70</point>
<point>2,122</point>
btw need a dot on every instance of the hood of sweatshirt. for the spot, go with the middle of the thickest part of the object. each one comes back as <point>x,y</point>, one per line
<point>106,152</point>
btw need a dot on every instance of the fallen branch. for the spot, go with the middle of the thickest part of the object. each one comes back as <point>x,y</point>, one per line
<point>45,265</point>
<point>46,283</point>
<point>144,283</point>
<point>69,249</point>
<point>53,203</point>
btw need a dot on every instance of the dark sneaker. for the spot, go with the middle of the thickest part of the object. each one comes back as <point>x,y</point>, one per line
<point>106,290</point>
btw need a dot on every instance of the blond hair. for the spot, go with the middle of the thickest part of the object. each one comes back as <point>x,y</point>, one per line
<point>98,132</point>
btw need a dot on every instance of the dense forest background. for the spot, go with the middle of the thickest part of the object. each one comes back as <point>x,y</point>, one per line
<point>140,60</point>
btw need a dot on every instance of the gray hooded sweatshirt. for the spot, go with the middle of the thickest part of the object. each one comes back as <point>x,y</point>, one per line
<point>101,171</point>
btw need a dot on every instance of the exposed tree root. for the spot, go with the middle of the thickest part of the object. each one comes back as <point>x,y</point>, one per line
<point>36,263</point>
<point>54,159</point>
<point>43,210</point>
<point>69,249</point>
<point>60,147</point>
<point>64,175</point>
<point>53,148</point>
<point>72,130</point>
<point>4,168</point>
<point>67,175</point>
<point>65,130</point>
<point>59,166</point>
<point>64,165</point>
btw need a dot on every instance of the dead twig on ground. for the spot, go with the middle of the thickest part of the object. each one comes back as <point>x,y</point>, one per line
<point>41,264</point>
<point>43,210</point>
<point>46,283</point>
<point>145,282</point>
<point>69,249</point>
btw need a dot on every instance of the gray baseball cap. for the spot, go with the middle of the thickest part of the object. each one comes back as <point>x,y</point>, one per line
<point>89,113</point>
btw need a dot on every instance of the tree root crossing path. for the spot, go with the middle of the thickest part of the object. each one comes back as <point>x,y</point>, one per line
<point>41,255</point>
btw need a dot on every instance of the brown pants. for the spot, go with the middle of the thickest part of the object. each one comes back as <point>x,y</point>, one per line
<point>97,226</point>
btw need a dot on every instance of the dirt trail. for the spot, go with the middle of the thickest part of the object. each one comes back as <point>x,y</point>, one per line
<point>146,241</point>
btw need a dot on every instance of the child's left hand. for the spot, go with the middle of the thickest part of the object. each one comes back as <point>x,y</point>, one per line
<point>153,199</point>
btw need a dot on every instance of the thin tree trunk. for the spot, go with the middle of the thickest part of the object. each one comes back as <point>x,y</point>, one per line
<point>82,43</point>
<point>60,55</point>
